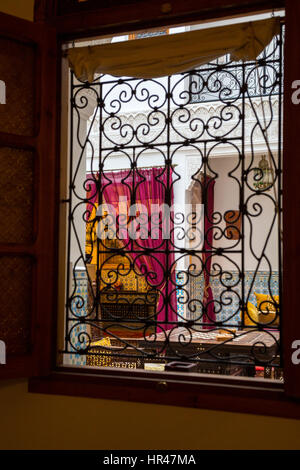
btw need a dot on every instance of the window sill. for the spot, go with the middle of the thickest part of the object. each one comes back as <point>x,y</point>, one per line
<point>240,395</point>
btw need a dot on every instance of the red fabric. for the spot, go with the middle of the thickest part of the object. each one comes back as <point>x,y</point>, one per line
<point>209,315</point>
<point>149,188</point>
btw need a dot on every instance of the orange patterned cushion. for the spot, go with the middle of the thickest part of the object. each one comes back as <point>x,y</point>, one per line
<point>266,303</point>
<point>251,315</point>
<point>268,309</point>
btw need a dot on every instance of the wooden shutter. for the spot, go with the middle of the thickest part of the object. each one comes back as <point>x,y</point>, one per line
<point>27,194</point>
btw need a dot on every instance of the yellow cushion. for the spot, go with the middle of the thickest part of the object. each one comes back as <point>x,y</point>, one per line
<point>251,315</point>
<point>267,311</point>
<point>266,303</point>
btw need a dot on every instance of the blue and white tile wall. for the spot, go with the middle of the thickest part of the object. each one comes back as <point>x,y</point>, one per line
<point>180,291</point>
<point>229,313</point>
<point>78,331</point>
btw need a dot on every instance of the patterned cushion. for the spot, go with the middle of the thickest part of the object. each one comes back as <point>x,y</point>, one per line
<point>251,315</point>
<point>266,303</point>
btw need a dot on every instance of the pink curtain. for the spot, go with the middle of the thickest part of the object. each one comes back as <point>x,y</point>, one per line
<point>208,201</point>
<point>149,254</point>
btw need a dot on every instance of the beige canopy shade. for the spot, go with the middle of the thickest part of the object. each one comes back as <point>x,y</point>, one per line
<point>166,55</point>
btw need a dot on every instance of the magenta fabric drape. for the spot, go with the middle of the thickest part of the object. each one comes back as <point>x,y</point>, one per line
<point>149,256</point>
<point>209,315</point>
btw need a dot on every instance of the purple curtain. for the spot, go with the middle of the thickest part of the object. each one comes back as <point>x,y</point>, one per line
<point>151,186</point>
<point>208,184</point>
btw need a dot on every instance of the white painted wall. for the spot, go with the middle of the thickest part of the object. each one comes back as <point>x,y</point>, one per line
<point>227,198</point>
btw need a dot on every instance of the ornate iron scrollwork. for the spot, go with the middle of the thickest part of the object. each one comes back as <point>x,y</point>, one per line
<point>116,316</point>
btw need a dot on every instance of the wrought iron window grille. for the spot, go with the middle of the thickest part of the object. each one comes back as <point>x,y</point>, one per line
<point>206,86</point>
<point>108,325</point>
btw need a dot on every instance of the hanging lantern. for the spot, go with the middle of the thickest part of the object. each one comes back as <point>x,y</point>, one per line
<point>263,176</point>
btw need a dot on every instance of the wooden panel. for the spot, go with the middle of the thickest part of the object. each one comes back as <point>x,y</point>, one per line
<point>17,70</point>
<point>27,194</point>
<point>16,278</point>
<point>65,7</point>
<point>272,402</point>
<point>16,195</point>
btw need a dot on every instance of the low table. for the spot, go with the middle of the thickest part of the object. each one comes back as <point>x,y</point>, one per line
<point>245,349</point>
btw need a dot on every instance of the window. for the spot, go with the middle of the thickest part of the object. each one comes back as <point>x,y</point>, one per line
<point>254,396</point>
<point>258,83</point>
<point>174,221</point>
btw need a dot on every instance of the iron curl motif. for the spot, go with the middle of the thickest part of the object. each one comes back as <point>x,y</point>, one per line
<point>176,287</point>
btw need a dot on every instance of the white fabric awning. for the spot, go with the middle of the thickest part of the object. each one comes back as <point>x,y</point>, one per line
<point>166,55</point>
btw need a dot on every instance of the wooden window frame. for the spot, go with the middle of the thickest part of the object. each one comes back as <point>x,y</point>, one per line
<point>257,396</point>
<point>134,35</point>
<point>41,248</point>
